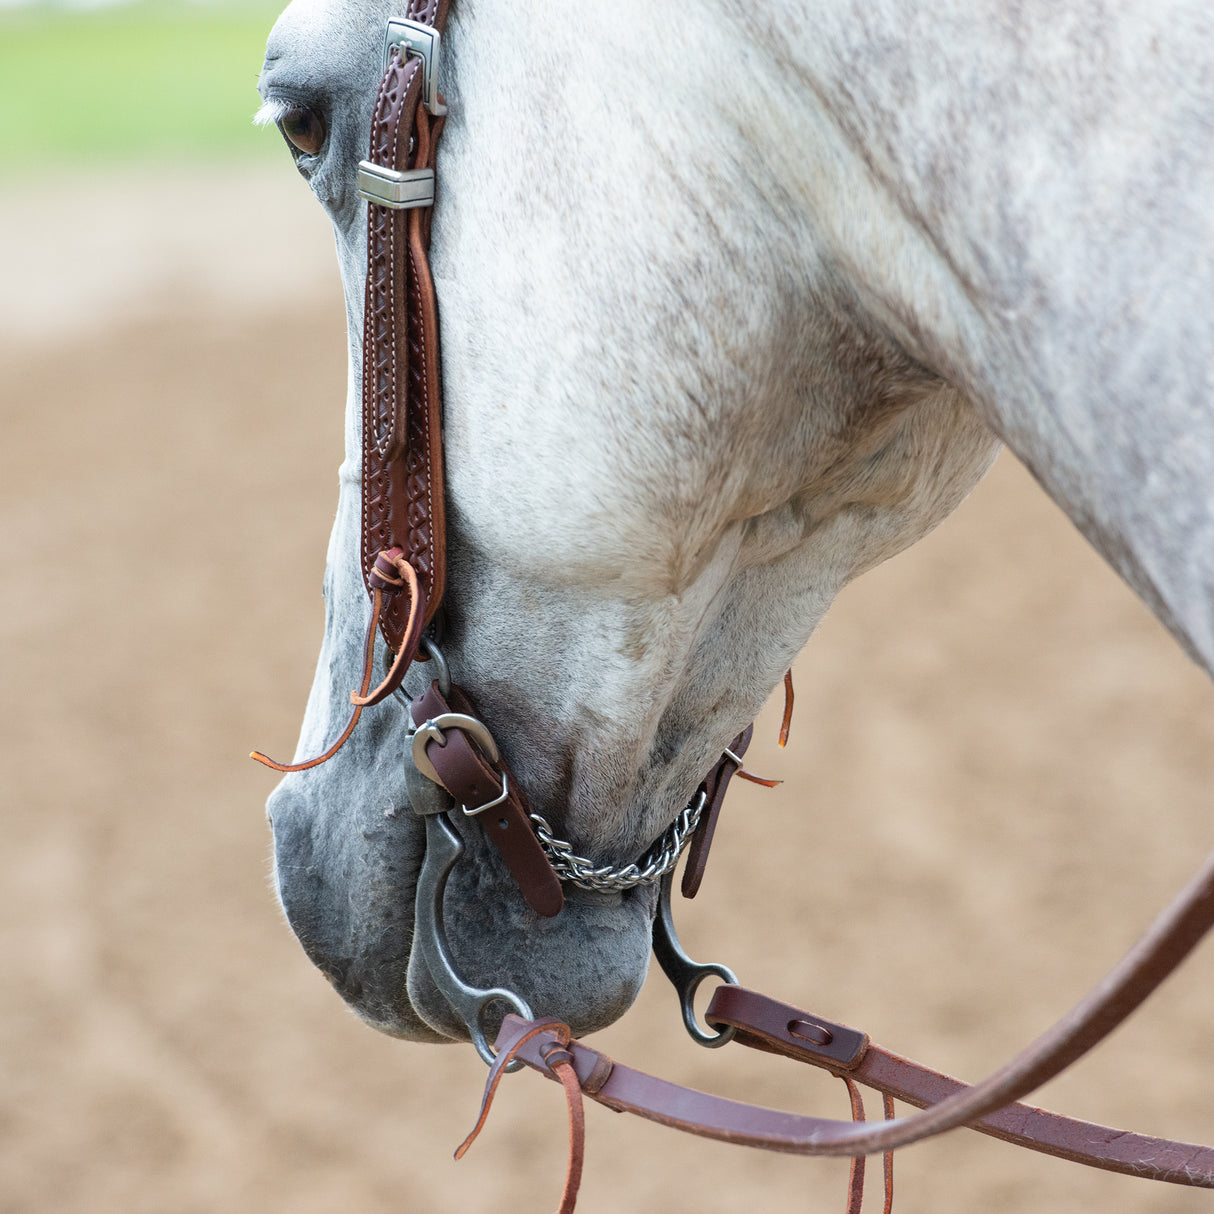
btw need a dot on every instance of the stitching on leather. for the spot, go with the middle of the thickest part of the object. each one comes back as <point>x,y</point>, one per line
<point>370,384</point>
<point>382,440</point>
<point>383,241</point>
<point>405,76</point>
<point>425,389</point>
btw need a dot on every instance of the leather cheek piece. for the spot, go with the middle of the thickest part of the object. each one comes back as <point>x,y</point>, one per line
<point>402,490</point>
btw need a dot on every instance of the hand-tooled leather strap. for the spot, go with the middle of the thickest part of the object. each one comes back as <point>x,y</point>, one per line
<point>402,485</point>
<point>472,780</point>
<point>432,12</point>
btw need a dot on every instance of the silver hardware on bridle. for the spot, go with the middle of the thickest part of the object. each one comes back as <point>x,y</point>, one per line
<point>401,190</point>
<point>661,858</point>
<point>686,975</point>
<point>428,651</point>
<point>606,879</point>
<point>423,41</point>
<point>404,190</point>
<point>443,849</point>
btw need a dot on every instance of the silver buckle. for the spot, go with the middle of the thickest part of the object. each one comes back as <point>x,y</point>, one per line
<point>480,809</point>
<point>417,38</point>
<point>432,731</point>
<point>401,191</point>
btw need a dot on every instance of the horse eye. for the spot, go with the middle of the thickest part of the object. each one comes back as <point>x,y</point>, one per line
<point>304,129</point>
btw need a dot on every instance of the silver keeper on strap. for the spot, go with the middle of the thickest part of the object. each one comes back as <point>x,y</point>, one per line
<point>399,190</point>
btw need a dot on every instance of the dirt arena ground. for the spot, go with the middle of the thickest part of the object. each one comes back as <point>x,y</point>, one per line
<point>1001,768</point>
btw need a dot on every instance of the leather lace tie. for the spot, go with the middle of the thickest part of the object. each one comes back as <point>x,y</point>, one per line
<point>558,1061</point>
<point>385,580</point>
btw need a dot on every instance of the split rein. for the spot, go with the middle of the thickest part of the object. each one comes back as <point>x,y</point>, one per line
<point>403,561</point>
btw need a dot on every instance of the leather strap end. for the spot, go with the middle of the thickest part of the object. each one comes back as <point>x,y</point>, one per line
<point>781,1028</point>
<point>506,1052</point>
<point>715,785</point>
<point>408,581</point>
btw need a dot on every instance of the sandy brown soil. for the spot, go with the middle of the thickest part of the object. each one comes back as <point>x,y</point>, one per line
<point>1001,767</point>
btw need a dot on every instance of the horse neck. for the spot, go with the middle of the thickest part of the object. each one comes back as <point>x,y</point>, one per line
<point>1021,202</point>
<point>962,186</point>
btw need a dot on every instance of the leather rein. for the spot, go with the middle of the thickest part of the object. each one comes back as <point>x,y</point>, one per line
<point>455,758</point>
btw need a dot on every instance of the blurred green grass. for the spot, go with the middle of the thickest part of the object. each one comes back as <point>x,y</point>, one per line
<point>143,81</point>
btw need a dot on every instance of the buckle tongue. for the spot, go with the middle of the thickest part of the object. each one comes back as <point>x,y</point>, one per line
<point>417,38</point>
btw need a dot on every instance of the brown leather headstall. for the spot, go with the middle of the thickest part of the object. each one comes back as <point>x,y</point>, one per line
<point>403,546</point>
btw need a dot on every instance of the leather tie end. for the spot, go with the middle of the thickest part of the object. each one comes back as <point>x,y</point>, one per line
<point>743,774</point>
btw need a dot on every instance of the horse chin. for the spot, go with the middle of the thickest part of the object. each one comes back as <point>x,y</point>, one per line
<point>584,967</point>
<point>347,882</point>
<point>345,875</point>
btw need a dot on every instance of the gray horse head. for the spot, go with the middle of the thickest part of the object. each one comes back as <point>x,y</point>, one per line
<point>702,361</point>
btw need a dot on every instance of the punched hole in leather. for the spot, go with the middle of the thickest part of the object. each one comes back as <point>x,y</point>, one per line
<point>780,1028</point>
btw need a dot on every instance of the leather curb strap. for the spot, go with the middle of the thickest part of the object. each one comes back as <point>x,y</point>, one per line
<point>765,1024</point>
<point>473,780</point>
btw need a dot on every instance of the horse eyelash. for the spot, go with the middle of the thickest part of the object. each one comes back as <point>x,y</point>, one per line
<point>273,110</point>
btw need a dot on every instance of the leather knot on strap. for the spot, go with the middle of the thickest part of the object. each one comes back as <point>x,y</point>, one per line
<point>404,577</point>
<point>556,1056</point>
<point>386,573</point>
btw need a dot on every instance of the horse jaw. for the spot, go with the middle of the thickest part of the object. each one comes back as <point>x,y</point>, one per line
<point>670,438</point>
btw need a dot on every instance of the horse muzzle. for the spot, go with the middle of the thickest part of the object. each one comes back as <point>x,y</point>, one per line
<point>415,919</point>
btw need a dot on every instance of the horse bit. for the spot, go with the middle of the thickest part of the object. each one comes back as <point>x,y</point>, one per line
<point>456,758</point>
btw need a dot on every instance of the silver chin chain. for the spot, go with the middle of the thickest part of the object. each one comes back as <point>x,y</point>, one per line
<point>659,860</point>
